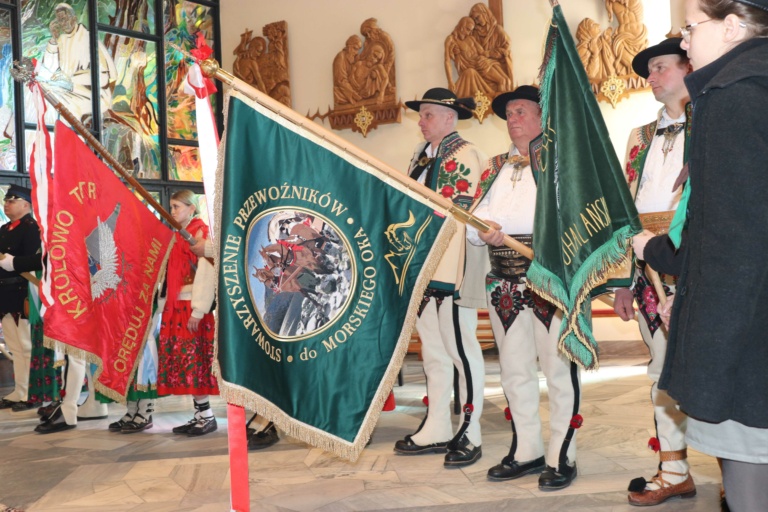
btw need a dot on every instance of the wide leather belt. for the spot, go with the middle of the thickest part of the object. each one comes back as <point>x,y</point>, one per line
<point>12,281</point>
<point>509,264</point>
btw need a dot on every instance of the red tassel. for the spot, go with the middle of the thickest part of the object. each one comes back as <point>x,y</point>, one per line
<point>468,408</point>
<point>577,421</point>
<point>390,404</point>
<point>654,444</point>
<point>508,414</point>
<point>425,400</point>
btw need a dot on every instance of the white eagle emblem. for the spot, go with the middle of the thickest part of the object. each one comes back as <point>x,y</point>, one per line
<point>103,256</point>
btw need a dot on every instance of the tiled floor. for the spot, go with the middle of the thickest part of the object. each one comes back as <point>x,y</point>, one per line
<point>91,469</point>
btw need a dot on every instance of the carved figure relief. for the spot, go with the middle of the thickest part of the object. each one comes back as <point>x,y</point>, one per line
<point>263,61</point>
<point>607,55</point>
<point>364,85</point>
<point>477,53</point>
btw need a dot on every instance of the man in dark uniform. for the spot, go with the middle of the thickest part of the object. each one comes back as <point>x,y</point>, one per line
<point>19,252</point>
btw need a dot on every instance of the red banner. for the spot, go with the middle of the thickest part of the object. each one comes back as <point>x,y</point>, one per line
<point>106,253</point>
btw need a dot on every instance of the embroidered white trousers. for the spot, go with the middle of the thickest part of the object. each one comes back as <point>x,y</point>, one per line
<point>526,340</point>
<point>448,340</point>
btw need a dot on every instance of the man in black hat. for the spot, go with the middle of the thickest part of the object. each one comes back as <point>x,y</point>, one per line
<point>447,321</point>
<point>654,160</point>
<point>525,326</point>
<point>19,252</point>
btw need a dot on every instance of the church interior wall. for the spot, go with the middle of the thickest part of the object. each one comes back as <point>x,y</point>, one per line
<point>317,31</point>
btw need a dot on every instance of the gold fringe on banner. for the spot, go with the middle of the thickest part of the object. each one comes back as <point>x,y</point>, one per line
<point>243,397</point>
<point>91,358</point>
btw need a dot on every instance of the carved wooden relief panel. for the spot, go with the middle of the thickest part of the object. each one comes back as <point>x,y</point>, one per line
<point>364,82</point>
<point>263,61</point>
<point>478,62</point>
<point>607,54</point>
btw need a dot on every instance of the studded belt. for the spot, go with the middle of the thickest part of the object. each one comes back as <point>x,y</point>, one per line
<point>509,264</point>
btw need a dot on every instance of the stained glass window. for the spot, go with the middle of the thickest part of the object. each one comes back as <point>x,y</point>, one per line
<point>7,108</point>
<point>136,15</point>
<point>119,67</point>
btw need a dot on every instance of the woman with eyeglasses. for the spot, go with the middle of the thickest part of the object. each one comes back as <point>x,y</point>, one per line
<point>717,357</point>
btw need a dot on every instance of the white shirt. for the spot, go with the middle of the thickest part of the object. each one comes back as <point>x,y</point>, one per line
<point>512,204</point>
<point>654,193</point>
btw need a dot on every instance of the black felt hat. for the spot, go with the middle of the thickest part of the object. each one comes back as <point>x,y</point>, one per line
<point>524,92</point>
<point>445,98</point>
<point>760,4</point>
<point>20,192</point>
<point>669,46</point>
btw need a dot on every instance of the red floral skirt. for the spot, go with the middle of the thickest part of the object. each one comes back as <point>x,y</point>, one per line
<point>185,359</point>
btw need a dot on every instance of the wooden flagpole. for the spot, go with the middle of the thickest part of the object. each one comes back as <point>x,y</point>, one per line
<point>24,72</point>
<point>211,69</point>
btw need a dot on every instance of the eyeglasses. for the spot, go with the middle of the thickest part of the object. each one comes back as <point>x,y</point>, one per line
<point>686,30</point>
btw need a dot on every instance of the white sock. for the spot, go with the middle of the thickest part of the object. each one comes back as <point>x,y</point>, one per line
<point>203,407</point>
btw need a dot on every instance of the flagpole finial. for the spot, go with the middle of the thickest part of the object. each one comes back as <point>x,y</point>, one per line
<point>553,3</point>
<point>209,67</point>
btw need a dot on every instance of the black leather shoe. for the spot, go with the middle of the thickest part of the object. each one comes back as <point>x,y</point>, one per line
<point>46,411</point>
<point>511,469</point>
<point>22,406</point>
<point>55,424</point>
<point>263,439</point>
<point>6,404</point>
<point>137,424</point>
<point>463,454</point>
<point>203,426</point>
<point>185,428</point>
<point>554,480</point>
<point>408,447</point>
<point>117,426</point>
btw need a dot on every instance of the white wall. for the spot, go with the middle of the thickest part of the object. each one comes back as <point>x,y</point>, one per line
<point>317,31</point>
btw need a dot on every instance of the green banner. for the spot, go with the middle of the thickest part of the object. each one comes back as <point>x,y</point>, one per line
<point>585,216</point>
<point>322,264</point>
